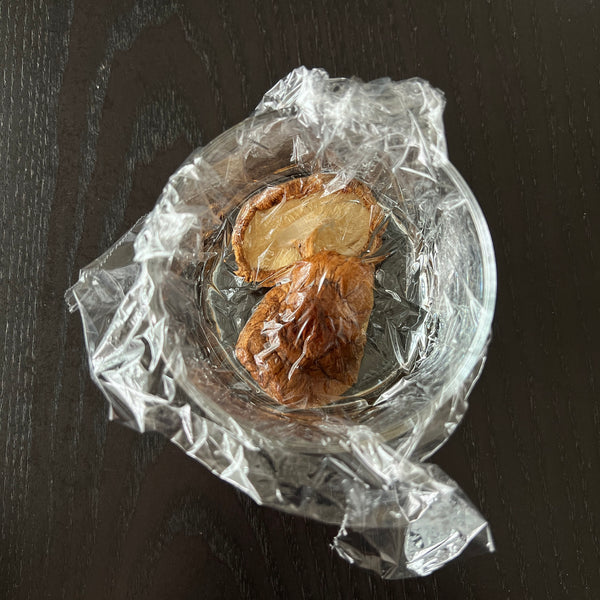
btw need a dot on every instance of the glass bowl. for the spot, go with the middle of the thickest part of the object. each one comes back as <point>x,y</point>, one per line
<point>434,292</point>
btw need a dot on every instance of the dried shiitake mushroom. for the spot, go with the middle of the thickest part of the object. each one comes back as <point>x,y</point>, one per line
<point>305,340</point>
<point>295,220</point>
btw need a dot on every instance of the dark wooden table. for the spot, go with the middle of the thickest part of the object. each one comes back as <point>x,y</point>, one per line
<point>100,102</point>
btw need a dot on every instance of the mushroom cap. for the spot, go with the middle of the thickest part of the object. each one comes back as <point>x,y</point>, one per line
<point>305,341</point>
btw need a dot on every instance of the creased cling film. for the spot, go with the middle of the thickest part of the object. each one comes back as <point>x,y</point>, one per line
<point>305,312</point>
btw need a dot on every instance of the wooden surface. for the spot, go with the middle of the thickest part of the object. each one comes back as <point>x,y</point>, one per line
<point>100,102</point>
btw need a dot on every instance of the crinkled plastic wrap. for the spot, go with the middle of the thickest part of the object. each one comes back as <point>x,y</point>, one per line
<point>390,296</point>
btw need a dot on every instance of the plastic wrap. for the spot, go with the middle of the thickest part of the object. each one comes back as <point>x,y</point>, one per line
<point>387,288</point>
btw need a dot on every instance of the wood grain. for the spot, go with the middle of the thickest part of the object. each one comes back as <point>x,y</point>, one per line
<point>99,103</point>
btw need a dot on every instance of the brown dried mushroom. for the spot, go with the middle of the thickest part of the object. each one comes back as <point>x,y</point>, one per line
<point>297,219</point>
<point>305,341</point>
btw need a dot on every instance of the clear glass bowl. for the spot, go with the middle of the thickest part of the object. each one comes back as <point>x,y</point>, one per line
<point>434,294</point>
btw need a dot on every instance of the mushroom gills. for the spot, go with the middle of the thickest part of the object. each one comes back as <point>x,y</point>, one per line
<point>298,228</point>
